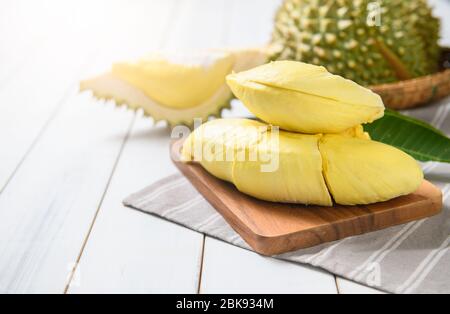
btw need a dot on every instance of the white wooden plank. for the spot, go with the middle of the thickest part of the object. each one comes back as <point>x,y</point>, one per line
<point>201,25</point>
<point>31,96</point>
<point>252,22</point>
<point>21,30</point>
<point>48,207</point>
<point>229,269</point>
<point>346,286</point>
<point>26,27</point>
<point>131,252</point>
<point>148,254</point>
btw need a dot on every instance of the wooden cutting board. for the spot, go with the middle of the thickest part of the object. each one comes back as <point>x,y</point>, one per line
<point>275,228</point>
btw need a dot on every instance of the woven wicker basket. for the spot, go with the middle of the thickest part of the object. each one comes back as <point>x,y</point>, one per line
<point>417,92</point>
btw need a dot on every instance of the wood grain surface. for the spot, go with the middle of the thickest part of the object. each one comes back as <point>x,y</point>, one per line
<point>275,228</point>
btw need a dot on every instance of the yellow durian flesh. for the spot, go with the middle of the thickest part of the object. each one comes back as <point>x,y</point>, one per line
<point>218,143</point>
<point>305,98</point>
<point>298,177</point>
<point>178,81</point>
<point>359,171</point>
<point>312,169</point>
<point>179,91</point>
<point>357,132</point>
<point>294,177</point>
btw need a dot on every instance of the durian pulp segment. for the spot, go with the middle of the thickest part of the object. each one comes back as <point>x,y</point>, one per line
<point>110,86</point>
<point>312,80</point>
<point>357,132</point>
<point>312,169</point>
<point>298,178</point>
<point>218,143</point>
<point>177,81</point>
<point>305,98</point>
<point>295,178</point>
<point>359,171</point>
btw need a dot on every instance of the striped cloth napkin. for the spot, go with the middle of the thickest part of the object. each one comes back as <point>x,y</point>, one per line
<point>412,258</point>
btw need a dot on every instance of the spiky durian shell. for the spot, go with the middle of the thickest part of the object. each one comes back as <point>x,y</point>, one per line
<point>336,34</point>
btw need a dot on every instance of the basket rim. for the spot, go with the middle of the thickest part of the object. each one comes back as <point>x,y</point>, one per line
<point>415,81</point>
<point>440,75</point>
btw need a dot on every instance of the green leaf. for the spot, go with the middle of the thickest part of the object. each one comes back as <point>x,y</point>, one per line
<point>415,137</point>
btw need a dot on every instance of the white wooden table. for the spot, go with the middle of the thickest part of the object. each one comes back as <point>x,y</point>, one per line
<point>67,162</point>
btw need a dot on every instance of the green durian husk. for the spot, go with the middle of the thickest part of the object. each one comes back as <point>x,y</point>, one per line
<point>337,35</point>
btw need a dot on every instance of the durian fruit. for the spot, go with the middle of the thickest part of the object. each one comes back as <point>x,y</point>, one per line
<point>217,143</point>
<point>305,98</point>
<point>296,176</point>
<point>369,42</point>
<point>360,171</point>
<point>175,88</point>
<point>348,168</point>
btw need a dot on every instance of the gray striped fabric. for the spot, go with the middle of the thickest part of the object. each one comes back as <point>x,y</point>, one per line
<point>413,258</point>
